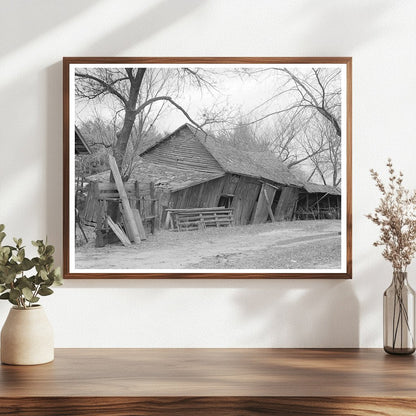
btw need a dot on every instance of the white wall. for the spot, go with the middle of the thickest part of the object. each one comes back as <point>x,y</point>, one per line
<point>380,35</point>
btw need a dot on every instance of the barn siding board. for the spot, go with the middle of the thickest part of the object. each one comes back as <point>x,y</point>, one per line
<point>183,151</point>
<point>262,213</point>
<point>204,195</point>
<point>286,204</point>
<point>230,184</point>
<point>89,215</point>
<point>212,193</point>
<point>244,200</point>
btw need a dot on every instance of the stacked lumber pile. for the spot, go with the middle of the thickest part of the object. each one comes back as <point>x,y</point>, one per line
<point>199,218</point>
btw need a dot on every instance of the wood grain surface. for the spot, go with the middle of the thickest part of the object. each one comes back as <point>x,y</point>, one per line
<point>212,381</point>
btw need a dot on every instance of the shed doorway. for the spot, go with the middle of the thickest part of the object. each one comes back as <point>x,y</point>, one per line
<point>225,200</point>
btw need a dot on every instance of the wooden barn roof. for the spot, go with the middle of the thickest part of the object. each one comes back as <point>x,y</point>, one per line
<point>262,165</point>
<point>81,146</point>
<point>315,188</point>
<point>164,177</point>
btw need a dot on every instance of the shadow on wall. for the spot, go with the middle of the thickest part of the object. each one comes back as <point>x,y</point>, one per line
<point>300,313</point>
<point>158,17</point>
<point>346,25</point>
<point>45,15</point>
<point>375,277</point>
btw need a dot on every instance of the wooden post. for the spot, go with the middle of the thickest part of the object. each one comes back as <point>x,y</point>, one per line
<point>131,226</point>
<point>152,207</point>
<point>137,194</point>
<point>99,228</point>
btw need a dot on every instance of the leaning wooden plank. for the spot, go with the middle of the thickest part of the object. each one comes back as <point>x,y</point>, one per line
<point>269,205</point>
<point>118,232</point>
<point>139,223</point>
<point>138,220</point>
<point>262,212</point>
<point>131,226</point>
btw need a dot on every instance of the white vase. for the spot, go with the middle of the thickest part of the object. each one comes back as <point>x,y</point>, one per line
<point>27,337</point>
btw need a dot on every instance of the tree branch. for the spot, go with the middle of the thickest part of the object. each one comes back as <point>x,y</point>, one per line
<point>170,100</point>
<point>309,156</point>
<point>105,85</point>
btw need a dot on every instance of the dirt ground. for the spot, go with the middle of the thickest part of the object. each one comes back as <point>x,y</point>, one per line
<point>282,245</point>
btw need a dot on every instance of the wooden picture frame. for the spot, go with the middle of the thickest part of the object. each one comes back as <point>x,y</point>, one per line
<point>250,167</point>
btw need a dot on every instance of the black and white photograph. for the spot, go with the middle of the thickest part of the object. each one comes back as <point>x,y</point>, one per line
<point>207,168</point>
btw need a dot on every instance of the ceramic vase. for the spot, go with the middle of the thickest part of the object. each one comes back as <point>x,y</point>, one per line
<point>27,337</point>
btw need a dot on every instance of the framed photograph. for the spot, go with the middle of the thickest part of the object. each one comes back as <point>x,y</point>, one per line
<point>207,168</point>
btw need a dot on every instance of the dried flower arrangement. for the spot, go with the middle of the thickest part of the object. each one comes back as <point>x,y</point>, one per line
<point>396,217</point>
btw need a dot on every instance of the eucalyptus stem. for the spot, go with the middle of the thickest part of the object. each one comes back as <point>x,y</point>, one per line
<point>23,280</point>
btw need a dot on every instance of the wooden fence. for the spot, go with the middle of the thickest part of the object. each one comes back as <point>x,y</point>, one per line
<point>199,218</point>
<point>141,197</point>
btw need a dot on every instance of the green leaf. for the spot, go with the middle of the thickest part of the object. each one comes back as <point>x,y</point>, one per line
<point>13,302</point>
<point>4,255</point>
<point>26,264</point>
<point>24,282</point>
<point>27,293</point>
<point>58,276</point>
<point>5,295</point>
<point>45,291</point>
<point>11,248</point>
<point>15,294</point>
<point>2,227</point>
<point>49,250</point>
<point>43,274</point>
<point>17,241</point>
<point>21,255</point>
<point>5,250</point>
<point>9,277</point>
<point>2,236</point>
<point>2,288</point>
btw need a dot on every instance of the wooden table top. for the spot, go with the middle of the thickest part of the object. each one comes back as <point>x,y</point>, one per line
<point>214,372</point>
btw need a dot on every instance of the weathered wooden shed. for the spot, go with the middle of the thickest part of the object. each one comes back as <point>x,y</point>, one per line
<point>318,201</point>
<point>211,173</point>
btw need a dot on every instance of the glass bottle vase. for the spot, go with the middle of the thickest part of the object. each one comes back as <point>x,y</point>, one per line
<point>399,316</point>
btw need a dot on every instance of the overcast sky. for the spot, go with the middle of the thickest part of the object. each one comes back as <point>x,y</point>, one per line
<point>233,92</point>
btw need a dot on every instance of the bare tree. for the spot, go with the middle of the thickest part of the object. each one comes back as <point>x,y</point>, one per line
<point>301,118</point>
<point>325,163</point>
<point>135,91</point>
<point>317,90</point>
